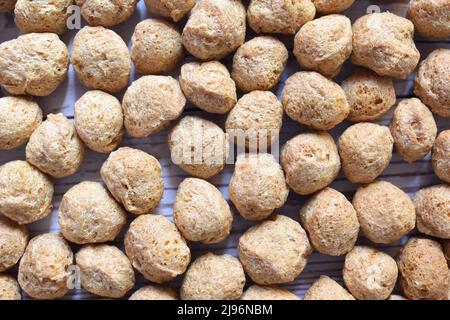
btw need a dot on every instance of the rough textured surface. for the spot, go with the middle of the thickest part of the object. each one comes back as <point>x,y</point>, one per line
<point>150,103</point>
<point>156,248</point>
<point>215,28</point>
<point>432,84</point>
<point>384,43</point>
<point>274,251</point>
<point>256,292</point>
<point>369,274</point>
<point>44,268</point>
<point>315,101</point>
<point>173,9</point>
<point>89,214</point>
<point>369,95</point>
<point>9,288</point>
<point>100,59</point>
<point>198,146</point>
<point>200,212</point>
<point>255,120</point>
<point>424,273</point>
<point>7,5</point>
<point>105,270</point>
<point>331,222</point>
<point>257,186</point>
<point>365,150</point>
<point>25,193</point>
<point>332,6</point>
<point>279,16</point>
<point>34,64</point>
<point>326,288</point>
<point>431,18</point>
<point>413,129</point>
<point>99,121</point>
<point>324,44</point>
<point>213,277</point>
<point>42,15</point>
<point>156,47</point>
<point>259,63</point>
<point>19,117</point>
<point>13,240</point>
<point>432,209</point>
<point>154,293</point>
<point>54,147</point>
<point>106,13</point>
<point>209,86</point>
<point>310,162</point>
<point>441,156</point>
<point>134,178</point>
<point>385,212</point>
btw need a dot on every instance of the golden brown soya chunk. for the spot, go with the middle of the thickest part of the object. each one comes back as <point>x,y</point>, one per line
<point>326,288</point>
<point>154,293</point>
<point>13,240</point>
<point>441,156</point>
<point>174,9</point>
<point>332,6</point>
<point>9,288</point>
<point>431,18</point>
<point>256,292</point>
<point>106,13</point>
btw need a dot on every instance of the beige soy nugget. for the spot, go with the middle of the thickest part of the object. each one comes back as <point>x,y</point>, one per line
<point>431,18</point>
<point>134,178</point>
<point>331,222</point>
<point>432,209</point>
<point>200,212</point>
<point>13,240</point>
<point>89,214</point>
<point>44,268</point>
<point>215,28</point>
<point>100,59</point>
<point>385,212</point>
<point>99,121</point>
<point>198,146</point>
<point>54,147</point>
<point>274,251</point>
<point>26,194</point>
<point>324,44</point>
<point>208,85</point>
<point>213,277</point>
<point>256,292</point>
<point>9,288</point>
<point>42,15</point>
<point>432,84</point>
<point>384,43</point>
<point>366,151</point>
<point>369,274</point>
<point>423,270</point>
<point>156,47</point>
<point>279,16</point>
<point>310,162</point>
<point>19,117</point>
<point>156,248</point>
<point>173,9</point>
<point>105,270</point>
<point>150,103</point>
<point>332,6</point>
<point>259,63</point>
<point>326,288</point>
<point>106,13</point>
<point>369,95</point>
<point>441,156</point>
<point>34,64</point>
<point>154,293</point>
<point>315,101</point>
<point>7,5</point>
<point>413,129</point>
<point>257,186</point>
<point>256,120</point>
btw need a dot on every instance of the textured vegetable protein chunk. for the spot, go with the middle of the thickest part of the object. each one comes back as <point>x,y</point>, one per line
<point>326,288</point>
<point>13,241</point>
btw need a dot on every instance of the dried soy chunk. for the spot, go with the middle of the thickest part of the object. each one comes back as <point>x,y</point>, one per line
<point>106,13</point>
<point>152,292</point>
<point>256,292</point>
<point>9,288</point>
<point>431,18</point>
<point>173,9</point>
<point>26,194</point>
<point>326,288</point>
<point>156,248</point>
<point>54,147</point>
<point>34,64</point>
<point>213,277</point>
<point>13,241</point>
<point>332,6</point>
<point>441,156</point>
<point>19,117</point>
